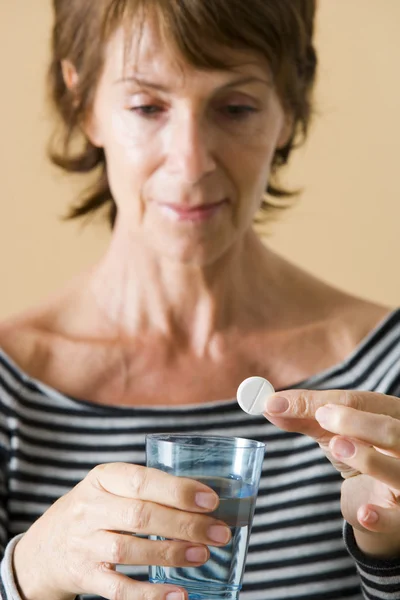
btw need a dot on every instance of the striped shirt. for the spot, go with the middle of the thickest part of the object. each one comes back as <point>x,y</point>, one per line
<point>49,442</point>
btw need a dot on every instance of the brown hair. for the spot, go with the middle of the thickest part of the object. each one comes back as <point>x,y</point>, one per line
<point>281,30</point>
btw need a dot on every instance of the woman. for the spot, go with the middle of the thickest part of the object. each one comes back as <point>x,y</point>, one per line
<point>184,305</point>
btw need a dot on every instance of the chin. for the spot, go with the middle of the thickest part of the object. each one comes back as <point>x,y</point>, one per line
<point>193,255</point>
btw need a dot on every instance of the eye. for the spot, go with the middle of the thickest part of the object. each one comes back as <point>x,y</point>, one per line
<point>238,111</point>
<point>147,110</point>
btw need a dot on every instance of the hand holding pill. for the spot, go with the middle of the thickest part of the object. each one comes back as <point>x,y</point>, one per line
<point>351,427</point>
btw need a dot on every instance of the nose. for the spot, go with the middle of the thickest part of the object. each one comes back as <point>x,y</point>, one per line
<point>190,149</point>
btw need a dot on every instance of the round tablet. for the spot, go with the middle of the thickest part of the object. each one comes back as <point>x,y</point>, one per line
<point>252,394</point>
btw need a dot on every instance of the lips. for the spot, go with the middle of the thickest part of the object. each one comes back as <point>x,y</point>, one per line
<point>201,212</point>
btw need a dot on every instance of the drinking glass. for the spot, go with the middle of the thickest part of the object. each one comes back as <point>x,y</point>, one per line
<point>232,468</point>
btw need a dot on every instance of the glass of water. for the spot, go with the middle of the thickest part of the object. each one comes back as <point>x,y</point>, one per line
<point>232,468</point>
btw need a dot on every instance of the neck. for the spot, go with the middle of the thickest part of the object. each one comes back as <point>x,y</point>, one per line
<point>136,292</point>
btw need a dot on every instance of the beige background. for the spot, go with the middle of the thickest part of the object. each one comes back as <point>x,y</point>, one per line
<point>346,225</point>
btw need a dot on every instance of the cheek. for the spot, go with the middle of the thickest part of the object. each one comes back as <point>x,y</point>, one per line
<point>253,169</point>
<point>130,160</point>
<point>252,166</point>
<point>124,138</point>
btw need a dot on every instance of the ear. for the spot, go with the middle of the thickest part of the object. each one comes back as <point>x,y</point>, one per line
<point>71,80</point>
<point>286,131</point>
<point>70,75</point>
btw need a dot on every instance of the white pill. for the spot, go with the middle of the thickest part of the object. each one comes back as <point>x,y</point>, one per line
<point>252,394</point>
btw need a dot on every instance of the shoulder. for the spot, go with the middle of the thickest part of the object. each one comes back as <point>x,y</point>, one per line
<point>353,323</point>
<point>24,342</point>
<point>374,363</point>
<point>31,338</point>
<point>336,322</point>
<point>371,334</point>
<point>362,318</point>
<point>315,302</point>
<point>38,347</point>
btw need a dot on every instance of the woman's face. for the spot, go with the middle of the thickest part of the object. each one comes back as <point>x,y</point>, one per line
<point>188,151</point>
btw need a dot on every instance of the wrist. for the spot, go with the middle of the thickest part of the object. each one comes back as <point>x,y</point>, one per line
<point>30,582</point>
<point>377,545</point>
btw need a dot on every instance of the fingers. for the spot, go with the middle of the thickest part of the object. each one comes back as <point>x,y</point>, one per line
<point>112,585</point>
<point>119,549</point>
<point>365,459</point>
<point>147,518</point>
<point>373,511</point>
<point>133,481</point>
<point>379,519</point>
<point>378,534</point>
<point>303,404</point>
<point>378,430</point>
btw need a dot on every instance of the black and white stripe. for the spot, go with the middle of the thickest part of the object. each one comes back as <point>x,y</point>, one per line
<point>49,442</point>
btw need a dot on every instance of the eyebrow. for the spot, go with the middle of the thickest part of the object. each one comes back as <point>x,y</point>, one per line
<point>164,88</point>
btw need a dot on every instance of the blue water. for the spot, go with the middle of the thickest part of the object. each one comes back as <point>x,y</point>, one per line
<point>221,576</point>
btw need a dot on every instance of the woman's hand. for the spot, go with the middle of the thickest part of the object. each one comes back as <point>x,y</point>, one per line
<point>360,434</point>
<point>74,546</point>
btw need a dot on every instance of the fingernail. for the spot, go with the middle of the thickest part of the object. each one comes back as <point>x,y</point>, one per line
<point>219,533</point>
<point>343,448</point>
<point>324,414</point>
<point>175,596</point>
<point>276,405</point>
<point>206,500</point>
<point>371,516</point>
<point>196,555</point>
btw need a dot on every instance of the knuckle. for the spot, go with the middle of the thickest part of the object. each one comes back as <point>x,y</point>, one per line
<point>97,477</point>
<point>137,515</point>
<point>187,529</point>
<point>116,590</point>
<point>151,593</point>
<point>351,399</point>
<point>391,433</point>
<point>97,470</point>
<point>180,491</point>
<point>96,473</point>
<point>302,405</point>
<point>118,550</point>
<point>138,480</point>
<point>169,554</point>
<point>79,509</point>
